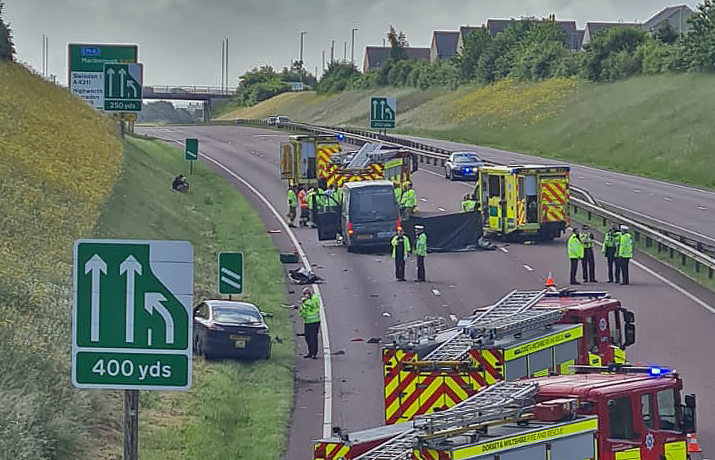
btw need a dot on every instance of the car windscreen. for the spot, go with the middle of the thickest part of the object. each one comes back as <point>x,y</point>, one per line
<point>233,315</point>
<point>373,204</point>
<point>467,159</point>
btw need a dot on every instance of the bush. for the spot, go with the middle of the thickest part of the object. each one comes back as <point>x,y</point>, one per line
<point>7,47</point>
<point>338,77</point>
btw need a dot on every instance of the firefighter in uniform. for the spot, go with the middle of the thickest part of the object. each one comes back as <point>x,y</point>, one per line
<point>310,312</point>
<point>292,206</point>
<point>468,203</point>
<point>304,211</point>
<point>575,251</point>
<point>400,249</point>
<point>609,248</point>
<point>408,201</point>
<point>589,263</point>
<point>420,252</point>
<point>625,253</point>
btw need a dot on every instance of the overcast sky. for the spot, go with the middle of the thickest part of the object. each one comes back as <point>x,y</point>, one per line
<point>180,40</point>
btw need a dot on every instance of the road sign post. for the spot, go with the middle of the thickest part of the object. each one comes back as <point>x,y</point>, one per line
<point>132,315</point>
<point>123,87</point>
<point>192,152</point>
<point>230,273</point>
<point>383,112</point>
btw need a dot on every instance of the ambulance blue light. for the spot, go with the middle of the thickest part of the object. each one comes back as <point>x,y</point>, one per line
<point>341,137</point>
<point>657,371</point>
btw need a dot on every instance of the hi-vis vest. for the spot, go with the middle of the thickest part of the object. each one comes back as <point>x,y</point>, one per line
<point>625,249</point>
<point>575,247</point>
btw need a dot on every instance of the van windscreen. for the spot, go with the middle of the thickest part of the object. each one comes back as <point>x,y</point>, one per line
<point>373,204</point>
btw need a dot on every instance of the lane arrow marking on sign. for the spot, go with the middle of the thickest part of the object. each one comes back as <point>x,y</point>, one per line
<point>95,265</point>
<point>131,267</point>
<point>122,76</point>
<point>153,301</point>
<point>133,87</point>
<point>110,74</point>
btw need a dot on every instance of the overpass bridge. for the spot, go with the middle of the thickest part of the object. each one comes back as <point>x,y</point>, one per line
<point>207,94</point>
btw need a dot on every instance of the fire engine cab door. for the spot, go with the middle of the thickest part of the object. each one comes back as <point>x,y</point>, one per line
<point>327,213</point>
<point>287,161</point>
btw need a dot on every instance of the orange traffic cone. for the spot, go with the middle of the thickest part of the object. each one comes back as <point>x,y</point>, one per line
<point>693,445</point>
<point>550,283</point>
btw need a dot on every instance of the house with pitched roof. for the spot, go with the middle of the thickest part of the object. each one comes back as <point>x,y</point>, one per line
<point>676,16</point>
<point>444,45</point>
<point>375,56</point>
<point>592,28</point>
<point>463,32</point>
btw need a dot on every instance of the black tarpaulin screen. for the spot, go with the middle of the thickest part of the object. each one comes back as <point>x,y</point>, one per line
<point>448,232</point>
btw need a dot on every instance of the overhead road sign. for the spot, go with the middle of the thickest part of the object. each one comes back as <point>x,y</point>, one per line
<point>383,112</point>
<point>230,273</point>
<point>122,87</point>
<point>132,314</point>
<point>86,68</point>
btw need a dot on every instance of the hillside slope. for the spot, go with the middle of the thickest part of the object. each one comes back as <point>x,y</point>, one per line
<point>59,162</point>
<point>656,126</point>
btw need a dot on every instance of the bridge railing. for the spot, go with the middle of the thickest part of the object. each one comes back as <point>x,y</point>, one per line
<point>648,232</point>
<point>197,89</point>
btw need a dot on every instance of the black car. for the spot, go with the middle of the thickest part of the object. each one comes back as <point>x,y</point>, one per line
<point>228,328</point>
<point>462,165</point>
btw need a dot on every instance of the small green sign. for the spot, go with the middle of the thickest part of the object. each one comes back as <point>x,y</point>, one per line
<point>122,87</point>
<point>132,316</point>
<point>192,149</point>
<point>230,273</point>
<point>383,111</point>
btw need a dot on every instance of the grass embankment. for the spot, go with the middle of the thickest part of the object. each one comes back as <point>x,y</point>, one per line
<point>655,126</point>
<point>236,410</point>
<point>58,162</point>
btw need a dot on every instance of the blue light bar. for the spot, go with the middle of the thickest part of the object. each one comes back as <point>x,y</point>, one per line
<point>341,137</point>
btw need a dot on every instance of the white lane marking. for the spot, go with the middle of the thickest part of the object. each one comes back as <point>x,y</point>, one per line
<point>702,208</point>
<point>423,200</point>
<point>665,280</point>
<point>504,250</point>
<point>667,198</point>
<point>635,190</point>
<point>581,177</point>
<point>441,210</point>
<point>327,364</point>
<point>528,268</point>
<point>609,183</point>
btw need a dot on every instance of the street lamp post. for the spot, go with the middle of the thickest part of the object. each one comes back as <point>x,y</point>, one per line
<point>352,47</point>
<point>302,34</point>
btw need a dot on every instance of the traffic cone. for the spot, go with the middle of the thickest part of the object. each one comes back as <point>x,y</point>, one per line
<point>550,283</point>
<point>693,445</point>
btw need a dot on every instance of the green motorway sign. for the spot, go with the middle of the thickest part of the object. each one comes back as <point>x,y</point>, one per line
<point>230,273</point>
<point>192,149</point>
<point>383,111</point>
<point>86,68</point>
<point>122,87</point>
<point>132,314</point>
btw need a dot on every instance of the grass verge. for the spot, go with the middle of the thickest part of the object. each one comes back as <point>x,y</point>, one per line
<point>236,410</point>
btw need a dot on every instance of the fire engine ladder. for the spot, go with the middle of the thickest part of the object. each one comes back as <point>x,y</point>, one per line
<point>413,332</point>
<point>530,319</point>
<point>498,402</point>
<point>513,303</point>
<point>362,157</point>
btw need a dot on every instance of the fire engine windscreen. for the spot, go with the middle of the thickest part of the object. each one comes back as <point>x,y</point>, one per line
<point>373,204</point>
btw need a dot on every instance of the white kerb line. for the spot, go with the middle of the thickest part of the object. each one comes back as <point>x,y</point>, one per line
<point>327,365</point>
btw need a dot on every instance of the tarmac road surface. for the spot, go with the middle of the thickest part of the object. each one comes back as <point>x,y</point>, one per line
<point>687,207</point>
<point>362,298</point>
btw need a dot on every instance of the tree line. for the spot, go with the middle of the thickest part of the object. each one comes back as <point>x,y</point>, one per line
<point>7,47</point>
<point>537,49</point>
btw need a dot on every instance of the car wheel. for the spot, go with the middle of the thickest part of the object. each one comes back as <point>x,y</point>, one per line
<point>200,349</point>
<point>267,354</point>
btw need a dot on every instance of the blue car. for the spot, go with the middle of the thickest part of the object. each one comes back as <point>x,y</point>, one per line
<point>462,165</point>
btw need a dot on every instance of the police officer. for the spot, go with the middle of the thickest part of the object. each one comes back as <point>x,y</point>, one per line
<point>588,263</point>
<point>401,247</point>
<point>408,201</point>
<point>609,248</point>
<point>420,252</point>
<point>310,312</point>
<point>398,193</point>
<point>625,253</point>
<point>292,206</point>
<point>575,251</point>
<point>468,203</point>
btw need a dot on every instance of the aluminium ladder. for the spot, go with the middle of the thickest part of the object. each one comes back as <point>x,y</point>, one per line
<point>495,403</point>
<point>362,157</point>
<point>513,303</point>
<point>413,332</point>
